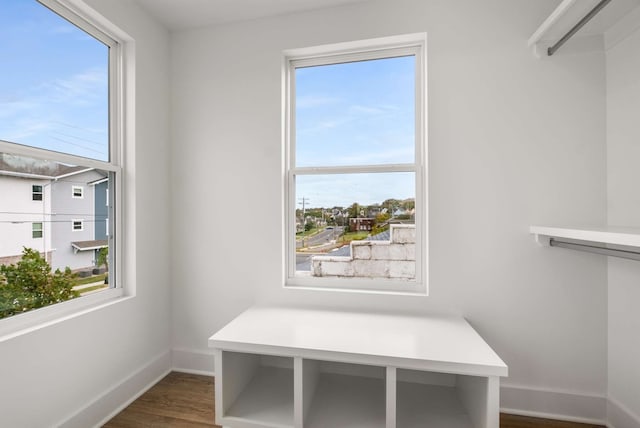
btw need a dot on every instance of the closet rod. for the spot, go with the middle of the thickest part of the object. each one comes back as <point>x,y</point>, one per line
<point>579,25</point>
<point>625,254</point>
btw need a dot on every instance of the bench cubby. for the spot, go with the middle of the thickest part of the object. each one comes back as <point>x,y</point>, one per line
<point>282,368</point>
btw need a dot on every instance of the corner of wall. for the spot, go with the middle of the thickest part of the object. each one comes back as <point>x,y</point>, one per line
<point>120,395</point>
<point>193,361</point>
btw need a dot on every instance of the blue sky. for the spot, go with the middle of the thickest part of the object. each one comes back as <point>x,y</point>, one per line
<point>53,82</point>
<point>359,113</point>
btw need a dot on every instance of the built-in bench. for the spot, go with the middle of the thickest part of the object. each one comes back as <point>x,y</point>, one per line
<point>281,367</point>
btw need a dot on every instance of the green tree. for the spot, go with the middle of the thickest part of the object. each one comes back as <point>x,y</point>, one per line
<point>30,284</point>
<point>354,210</point>
<point>103,259</point>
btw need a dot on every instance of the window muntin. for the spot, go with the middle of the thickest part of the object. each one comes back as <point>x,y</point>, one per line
<point>36,192</point>
<point>77,225</point>
<point>67,124</point>
<point>36,230</point>
<point>355,142</point>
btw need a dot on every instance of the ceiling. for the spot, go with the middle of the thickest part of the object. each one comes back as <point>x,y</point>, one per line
<point>183,14</point>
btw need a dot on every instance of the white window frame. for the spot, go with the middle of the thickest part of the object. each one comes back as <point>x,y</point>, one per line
<point>73,192</point>
<point>33,230</point>
<point>387,47</point>
<point>121,131</point>
<point>73,225</point>
<point>41,192</point>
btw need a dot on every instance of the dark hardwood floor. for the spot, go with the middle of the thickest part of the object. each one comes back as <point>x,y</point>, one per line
<point>178,400</point>
<point>186,400</point>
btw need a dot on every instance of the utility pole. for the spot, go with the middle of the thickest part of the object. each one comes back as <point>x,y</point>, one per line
<point>304,201</point>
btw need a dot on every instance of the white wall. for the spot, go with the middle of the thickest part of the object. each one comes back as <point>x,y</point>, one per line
<point>513,141</point>
<point>51,374</point>
<point>623,173</point>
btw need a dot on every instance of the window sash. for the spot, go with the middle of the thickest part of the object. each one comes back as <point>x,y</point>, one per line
<point>413,44</point>
<point>36,230</point>
<point>77,192</point>
<point>36,192</point>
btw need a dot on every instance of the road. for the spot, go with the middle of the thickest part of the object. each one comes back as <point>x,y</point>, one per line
<point>320,238</point>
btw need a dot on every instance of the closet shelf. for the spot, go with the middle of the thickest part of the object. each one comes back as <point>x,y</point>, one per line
<point>573,18</point>
<point>609,241</point>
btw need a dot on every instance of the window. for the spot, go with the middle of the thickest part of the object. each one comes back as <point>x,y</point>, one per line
<point>36,230</point>
<point>36,193</point>
<point>77,192</point>
<point>61,124</point>
<point>77,225</point>
<point>356,166</point>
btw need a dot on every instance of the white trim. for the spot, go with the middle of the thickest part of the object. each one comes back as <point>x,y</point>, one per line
<point>194,361</point>
<point>78,18</point>
<point>41,193</point>
<point>554,404</point>
<point>73,225</point>
<point>35,320</point>
<point>112,401</point>
<point>73,192</point>
<point>71,174</point>
<point>555,16</point>
<point>38,153</point>
<point>122,139</point>
<point>386,47</point>
<point>619,416</point>
<point>33,223</point>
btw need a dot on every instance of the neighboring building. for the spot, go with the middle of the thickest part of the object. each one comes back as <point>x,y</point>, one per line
<point>101,208</point>
<point>74,220</point>
<point>24,218</point>
<point>52,208</point>
<point>361,224</point>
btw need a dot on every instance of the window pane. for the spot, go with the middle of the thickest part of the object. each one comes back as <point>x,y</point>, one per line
<point>53,82</point>
<point>36,230</point>
<point>334,210</point>
<point>48,229</point>
<point>357,113</point>
<point>36,193</point>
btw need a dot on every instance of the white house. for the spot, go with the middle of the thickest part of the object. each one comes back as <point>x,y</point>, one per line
<point>49,207</point>
<point>515,138</point>
<point>25,213</point>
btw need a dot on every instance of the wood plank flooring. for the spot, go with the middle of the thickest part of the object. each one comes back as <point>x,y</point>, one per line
<point>186,401</point>
<point>178,400</point>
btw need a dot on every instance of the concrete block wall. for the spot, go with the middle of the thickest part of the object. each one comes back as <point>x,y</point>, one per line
<point>395,258</point>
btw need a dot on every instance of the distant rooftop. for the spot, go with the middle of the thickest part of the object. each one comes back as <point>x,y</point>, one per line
<point>16,165</point>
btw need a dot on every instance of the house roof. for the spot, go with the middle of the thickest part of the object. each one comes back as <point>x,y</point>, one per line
<point>89,245</point>
<point>16,165</point>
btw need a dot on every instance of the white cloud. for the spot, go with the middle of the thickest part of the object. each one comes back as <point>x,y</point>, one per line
<point>47,110</point>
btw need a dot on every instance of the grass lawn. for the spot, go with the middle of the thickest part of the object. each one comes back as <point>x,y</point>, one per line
<point>355,236</point>
<point>90,279</point>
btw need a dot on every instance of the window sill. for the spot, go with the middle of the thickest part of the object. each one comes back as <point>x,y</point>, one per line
<point>18,325</point>
<point>362,286</point>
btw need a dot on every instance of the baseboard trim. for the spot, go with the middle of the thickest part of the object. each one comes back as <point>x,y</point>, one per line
<point>193,361</point>
<point>517,400</point>
<point>619,416</point>
<point>553,404</point>
<point>120,395</point>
